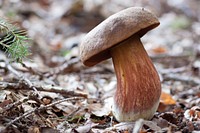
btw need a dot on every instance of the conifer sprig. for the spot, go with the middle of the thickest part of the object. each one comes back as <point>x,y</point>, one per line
<point>13,41</point>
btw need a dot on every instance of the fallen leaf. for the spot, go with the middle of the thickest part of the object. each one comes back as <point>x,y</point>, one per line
<point>193,114</point>
<point>170,117</point>
<point>99,110</point>
<point>5,103</point>
<point>152,125</point>
<point>167,99</point>
<point>162,107</point>
<point>46,100</point>
<point>26,107</point>
<point>159,50</point>
<point>3,94</point>
<point>48,130</point>
<point>162,123</point>
<point>33,129</point>
<point>122,126</point>
<point>85,128</point>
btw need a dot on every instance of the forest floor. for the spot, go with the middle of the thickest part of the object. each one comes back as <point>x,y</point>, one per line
<point>52,91</point>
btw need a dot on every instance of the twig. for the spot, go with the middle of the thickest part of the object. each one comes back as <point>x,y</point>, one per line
<point>4,85</point>
<point>66,66</point>
<point>63,67</point>
<point>23,86</point>
<point>168,56</point>
<point>135,127</point>
<point>173,70</point>
<point>11,69</point>
<point>31,70</point>
<point>72,113</point>
<point>182,78</point>
<point>41,108</point>
<point>121,126</point>
<point>9,106</point>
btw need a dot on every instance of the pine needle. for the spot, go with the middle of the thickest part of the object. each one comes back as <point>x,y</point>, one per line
<point>14,41</point>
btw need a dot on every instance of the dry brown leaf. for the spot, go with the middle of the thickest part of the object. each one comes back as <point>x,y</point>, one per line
<point>143,131</point>
<point>162,107</point>
<point>46,100</point>
<point>167,99</point>
<point>159,50</point>
<point>34,129</point>
<point>193,114</point>
<point>162,123</point>
<point>5,103</point>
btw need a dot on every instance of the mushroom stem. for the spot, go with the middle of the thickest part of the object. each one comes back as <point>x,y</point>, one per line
<point>138,85</point>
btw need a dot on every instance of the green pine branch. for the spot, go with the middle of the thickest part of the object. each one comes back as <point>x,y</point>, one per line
<point>14,41</point>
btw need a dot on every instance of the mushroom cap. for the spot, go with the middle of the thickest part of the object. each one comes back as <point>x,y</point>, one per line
<point>96,45</point>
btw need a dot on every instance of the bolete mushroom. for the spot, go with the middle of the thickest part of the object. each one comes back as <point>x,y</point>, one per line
<point>138,85</point>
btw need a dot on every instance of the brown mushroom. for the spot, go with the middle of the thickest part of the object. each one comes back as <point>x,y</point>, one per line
<point>138,85</point>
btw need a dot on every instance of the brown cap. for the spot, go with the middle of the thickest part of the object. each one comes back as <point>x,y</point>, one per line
<point>96,45</point>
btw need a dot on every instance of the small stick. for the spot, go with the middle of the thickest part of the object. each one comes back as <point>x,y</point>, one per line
<point>31,70</point>
<point>173,70</point>
<point>63,67</point>
<point>169,56</point>
<point>179,77</point>
<point>41,108</point>
<point>11,69</point>
<point>9,106</point>
<point>23,86</point>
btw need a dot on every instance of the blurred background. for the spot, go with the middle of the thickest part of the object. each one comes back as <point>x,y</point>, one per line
<point>57,27</point>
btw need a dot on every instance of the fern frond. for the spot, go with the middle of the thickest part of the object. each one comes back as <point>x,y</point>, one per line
<point>14,41</point>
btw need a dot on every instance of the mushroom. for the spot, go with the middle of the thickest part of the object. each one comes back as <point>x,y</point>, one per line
<point>138,84</point>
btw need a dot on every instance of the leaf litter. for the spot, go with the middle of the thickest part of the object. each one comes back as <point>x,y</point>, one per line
<point>54,92</point>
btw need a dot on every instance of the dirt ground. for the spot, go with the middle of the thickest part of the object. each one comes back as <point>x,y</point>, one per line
<point>53,92</point>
